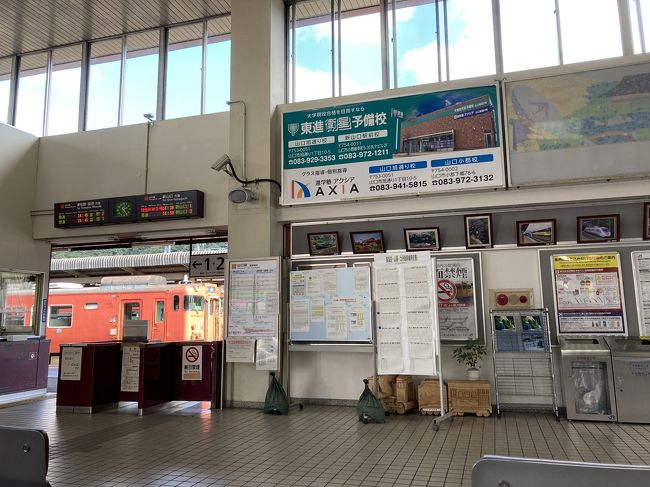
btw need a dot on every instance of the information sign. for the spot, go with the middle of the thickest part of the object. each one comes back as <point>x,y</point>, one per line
<point>588,294</point>
<point>419,144</point>
<point>253,297</point>
<point>71,363</point>
<point>80,213</point>
<point>240,349</point>
<point>266,356</point>
<point>641,265</point>
<point>192,368</point>
<point>169,206</point>
<point>130,377</point>
<point>205,265</point>
<point>407,322</point>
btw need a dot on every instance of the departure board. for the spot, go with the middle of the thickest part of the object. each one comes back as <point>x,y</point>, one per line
<point>129,209</point>
<point>80,213</point>
<point>171,205</point>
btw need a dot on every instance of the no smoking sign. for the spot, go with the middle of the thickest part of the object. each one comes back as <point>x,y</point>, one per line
<point>446,290</point>
<point>192,366</point>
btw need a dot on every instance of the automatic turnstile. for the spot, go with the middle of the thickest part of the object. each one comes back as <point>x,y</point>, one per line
<point>587,379</point>
<point>631,365</point>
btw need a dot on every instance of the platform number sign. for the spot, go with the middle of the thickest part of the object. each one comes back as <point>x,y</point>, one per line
<point>205,265</point>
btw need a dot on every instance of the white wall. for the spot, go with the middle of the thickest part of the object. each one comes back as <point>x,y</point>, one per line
<point>112,162</point>
<point>18,161</point>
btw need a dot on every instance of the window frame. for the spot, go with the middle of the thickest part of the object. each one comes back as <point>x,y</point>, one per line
<point>49,315</point>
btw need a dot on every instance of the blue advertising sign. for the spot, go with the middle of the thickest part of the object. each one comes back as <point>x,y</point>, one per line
<point>417,144</point>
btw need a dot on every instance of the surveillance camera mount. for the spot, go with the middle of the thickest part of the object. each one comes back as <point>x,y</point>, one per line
<point>224,163</point>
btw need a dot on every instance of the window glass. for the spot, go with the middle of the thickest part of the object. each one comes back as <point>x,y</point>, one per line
<point>184,60</point>
<point>60,316</point>
<point>18,293</point>
<point>529,34</point>
<point>471,39</point>
<point>176,302</point>
<point>5,85</point>
<point>63,113</point>
<point>313,47</point>
<point>217,66</point>
<point>140,76</point>
<point>160,311</point>
<point>415,42</point>
<point>640,21</point>
<point>590,30</point>
<point>193,303</point>
<point>91,306</point>
<point>30,103</point>
<point>104,84</point>
<point>361,50</point>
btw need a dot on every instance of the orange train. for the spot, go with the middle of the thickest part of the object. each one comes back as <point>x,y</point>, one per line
<point>175,312</point>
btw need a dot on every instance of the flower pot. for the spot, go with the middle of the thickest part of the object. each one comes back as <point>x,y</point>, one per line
<point>473,374</point>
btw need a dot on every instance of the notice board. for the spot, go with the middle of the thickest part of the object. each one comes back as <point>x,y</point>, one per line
<point>330,305</point>
<point>253,297</point>
<point>407,318</point>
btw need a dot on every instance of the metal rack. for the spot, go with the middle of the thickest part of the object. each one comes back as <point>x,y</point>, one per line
<point>522,357</point>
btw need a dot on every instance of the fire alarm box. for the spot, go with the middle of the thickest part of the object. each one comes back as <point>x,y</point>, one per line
<point>511,299</point>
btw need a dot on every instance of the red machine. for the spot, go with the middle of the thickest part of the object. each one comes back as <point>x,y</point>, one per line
<point>175,312</point>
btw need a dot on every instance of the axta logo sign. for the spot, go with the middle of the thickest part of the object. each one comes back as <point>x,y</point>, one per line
<point>300,190</point>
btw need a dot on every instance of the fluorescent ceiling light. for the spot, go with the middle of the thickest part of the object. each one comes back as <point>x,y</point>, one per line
<point>99,239</point>
<point>171,234</point>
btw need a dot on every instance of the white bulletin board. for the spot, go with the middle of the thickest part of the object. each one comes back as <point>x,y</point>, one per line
<point>407,313</point>
<point>253,297</point>
<point>330,305</point>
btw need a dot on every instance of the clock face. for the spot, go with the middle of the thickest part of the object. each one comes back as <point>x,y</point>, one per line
<point>123,209</point>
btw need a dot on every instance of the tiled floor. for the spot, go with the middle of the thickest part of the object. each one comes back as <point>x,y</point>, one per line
<point>184,445</point>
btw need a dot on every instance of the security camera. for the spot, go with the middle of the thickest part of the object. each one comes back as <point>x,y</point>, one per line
<point>221,163</point>
<point>242,195</point>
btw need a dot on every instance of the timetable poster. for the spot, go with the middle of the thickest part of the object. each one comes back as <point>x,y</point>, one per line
<point>253,298</point>
<point>641,264</point>
<point>406,314</point>
<point>589,294</point>
<point>330,305</point>
<point>456,299</point>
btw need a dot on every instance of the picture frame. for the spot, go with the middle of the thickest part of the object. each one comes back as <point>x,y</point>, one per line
<point>536,232</point>
<point>327,243</point>
<point>422,238</point>
<point>368,242</point>
<point>478,231</point>
<point>598,228</point>
<point>646,221</point>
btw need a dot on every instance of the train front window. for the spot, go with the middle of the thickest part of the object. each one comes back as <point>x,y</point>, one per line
<point>193,303</point>
<point>60,316</point>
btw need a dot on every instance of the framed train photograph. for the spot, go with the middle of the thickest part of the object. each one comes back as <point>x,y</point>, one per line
<point>422,238</point>
<point>599,228</point>
<point>536,232</point>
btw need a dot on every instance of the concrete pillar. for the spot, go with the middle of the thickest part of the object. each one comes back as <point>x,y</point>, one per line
<point>257,80</point>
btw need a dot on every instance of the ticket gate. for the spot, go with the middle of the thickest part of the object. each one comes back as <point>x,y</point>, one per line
<point>587,379</point>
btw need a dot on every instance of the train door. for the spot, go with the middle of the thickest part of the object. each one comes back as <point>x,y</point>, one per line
<point>159,328</point>
<point>131,310</point>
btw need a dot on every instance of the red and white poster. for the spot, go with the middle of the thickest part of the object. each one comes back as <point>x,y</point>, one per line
<point>456,299</point>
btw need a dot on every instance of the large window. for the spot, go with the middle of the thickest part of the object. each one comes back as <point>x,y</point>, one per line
<point>5,88</point>
<point>104,83</point>
<point>30,103</point>
<point>184,63</point>
<point>65,86</point>
<point>140,77</point>
<point>217,66</point>
<point>60,316</point>
<point>529,34</point>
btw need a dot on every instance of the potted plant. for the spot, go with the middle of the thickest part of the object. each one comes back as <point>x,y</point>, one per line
<point>469,355</point>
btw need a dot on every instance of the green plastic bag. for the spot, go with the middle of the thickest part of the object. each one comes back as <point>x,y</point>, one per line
<point>369,406</point>
<point>276,401</point>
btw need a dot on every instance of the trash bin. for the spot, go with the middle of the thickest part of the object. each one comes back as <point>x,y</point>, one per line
<point>587,379</point>
<point>631,364</point>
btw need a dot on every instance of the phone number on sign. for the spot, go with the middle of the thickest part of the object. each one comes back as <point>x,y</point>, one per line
<point>364,153</point>
<point>311,160</point>
<point>463,180</point>
<point>409,185</point>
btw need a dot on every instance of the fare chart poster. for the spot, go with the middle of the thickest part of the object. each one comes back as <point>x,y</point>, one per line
<point>418,144</point>
<point>589,294</point>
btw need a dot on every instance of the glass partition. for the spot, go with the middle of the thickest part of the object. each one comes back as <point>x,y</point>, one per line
<point>19,303</point>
